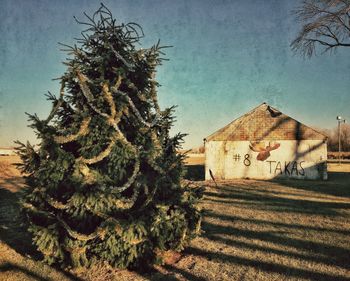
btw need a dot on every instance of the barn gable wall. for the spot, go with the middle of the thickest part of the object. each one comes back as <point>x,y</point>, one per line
<point>265,123</point>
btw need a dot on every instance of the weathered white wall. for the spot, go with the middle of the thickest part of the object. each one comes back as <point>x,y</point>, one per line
<point>293,159</point>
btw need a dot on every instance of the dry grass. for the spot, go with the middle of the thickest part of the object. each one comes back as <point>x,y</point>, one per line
<point>10,177</point>
<point>253,230</point>
<point>342,168</point>
<point>276,231</point>
<point>195,159</point>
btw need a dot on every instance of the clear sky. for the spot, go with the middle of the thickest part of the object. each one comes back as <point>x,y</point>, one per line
<point>228,57</point>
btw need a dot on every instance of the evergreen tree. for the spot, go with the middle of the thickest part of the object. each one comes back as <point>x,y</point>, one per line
<point>105,183</point>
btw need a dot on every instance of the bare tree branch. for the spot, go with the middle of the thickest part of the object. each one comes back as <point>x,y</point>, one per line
<point>326,24</point>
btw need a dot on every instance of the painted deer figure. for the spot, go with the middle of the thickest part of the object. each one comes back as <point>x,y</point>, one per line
<point>263,149</point>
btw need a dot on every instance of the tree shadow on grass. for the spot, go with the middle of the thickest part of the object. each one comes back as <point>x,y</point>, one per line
<point>172,271</point>
<point>195,173</point>
<point>336,185</point>
<point>13,184</point>
<point>229,218</point>
<point>275,237</point>
<point>317,252</point>
<point>14,233</point>
<point>184,273</point>
<point>10,267</point>
<point>264,201</point>
<point>16,268</point>
<point>13,230</point>
<point>265,266</point>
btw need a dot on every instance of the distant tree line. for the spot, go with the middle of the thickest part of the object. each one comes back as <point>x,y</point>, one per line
<point>333,137</point>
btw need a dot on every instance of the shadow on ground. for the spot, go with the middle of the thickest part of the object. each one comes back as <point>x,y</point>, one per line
<point>283,230</point>
<point>195,172</point>
<point>14,233</point>
<point>286,228</point>
<point>16,268</point>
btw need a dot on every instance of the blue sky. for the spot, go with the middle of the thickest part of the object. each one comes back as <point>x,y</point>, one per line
<point>227,57</point>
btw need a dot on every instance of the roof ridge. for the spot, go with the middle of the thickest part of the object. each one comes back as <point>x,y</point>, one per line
<point>235,120</point>
<point>316,131</point>
<point>309,127</point>
<point>237,129</point>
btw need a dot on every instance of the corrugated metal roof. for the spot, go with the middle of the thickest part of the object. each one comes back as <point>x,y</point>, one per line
<point>265,123</point>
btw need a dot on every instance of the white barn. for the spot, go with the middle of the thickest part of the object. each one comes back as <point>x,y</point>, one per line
<point>265,144</point>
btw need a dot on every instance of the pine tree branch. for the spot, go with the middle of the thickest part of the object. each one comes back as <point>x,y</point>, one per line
<point>130,66</point>
<point>127,204</point>
<point>76,235</point>
<point>135,110</point>
<point>56,204</point>
<point>58,104</point>
<point>108,96</point>
<point>87,93</point>
<point>83,131</point>
<point>103,154</point>
<point>34,209</point>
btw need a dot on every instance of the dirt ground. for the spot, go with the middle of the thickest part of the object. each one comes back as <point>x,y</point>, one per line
<point>252,230</point>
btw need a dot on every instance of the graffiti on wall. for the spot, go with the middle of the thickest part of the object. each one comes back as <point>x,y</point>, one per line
<point>263,149</point>
<point>288,168</point>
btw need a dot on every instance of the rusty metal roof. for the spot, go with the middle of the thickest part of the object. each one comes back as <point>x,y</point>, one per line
<point>265,123</point>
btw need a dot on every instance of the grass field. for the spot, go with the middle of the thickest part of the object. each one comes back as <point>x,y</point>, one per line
<point>252,230</point>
